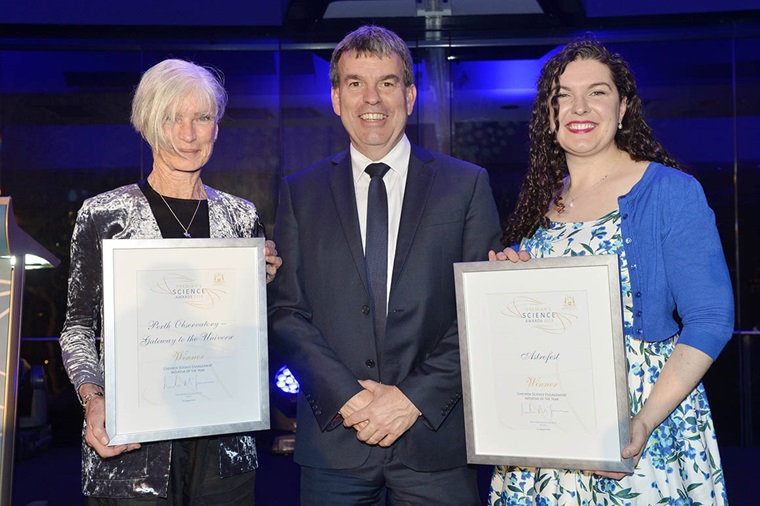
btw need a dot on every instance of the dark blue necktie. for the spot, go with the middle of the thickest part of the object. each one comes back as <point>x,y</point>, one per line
<point>376,249</point>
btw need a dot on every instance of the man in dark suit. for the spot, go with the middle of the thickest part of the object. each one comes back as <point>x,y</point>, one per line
<point>372,339</point>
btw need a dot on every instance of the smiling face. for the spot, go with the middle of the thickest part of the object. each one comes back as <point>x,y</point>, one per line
<point>590,109</point>
<point>372,102</point>
<point>192,132</point>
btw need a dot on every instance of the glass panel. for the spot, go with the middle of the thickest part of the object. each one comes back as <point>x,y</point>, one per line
<point>748,178</point>
<point>491,111</point>
<point>429,124</point>
<point>748,189</point>
<point>64,122</point>
<point>311,131</point>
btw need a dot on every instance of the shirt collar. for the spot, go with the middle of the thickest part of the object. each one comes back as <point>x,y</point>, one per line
<point>397,159</point>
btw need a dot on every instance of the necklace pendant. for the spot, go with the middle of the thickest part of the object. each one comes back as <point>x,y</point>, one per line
<point>185,228</point>
<point>571,204</point>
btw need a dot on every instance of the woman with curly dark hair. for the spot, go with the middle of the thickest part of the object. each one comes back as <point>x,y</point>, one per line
<point>599,183</point>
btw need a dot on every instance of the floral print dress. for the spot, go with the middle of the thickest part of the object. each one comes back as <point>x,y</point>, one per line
<point>680,464</point>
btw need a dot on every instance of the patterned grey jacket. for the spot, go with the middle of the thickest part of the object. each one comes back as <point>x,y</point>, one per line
<point>124,213</point>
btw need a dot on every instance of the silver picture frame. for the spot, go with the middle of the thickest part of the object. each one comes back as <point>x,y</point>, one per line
<point>185,338</point>
<point>544,370</point>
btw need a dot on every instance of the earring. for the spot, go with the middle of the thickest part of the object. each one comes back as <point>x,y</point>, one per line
<point>620,124</point>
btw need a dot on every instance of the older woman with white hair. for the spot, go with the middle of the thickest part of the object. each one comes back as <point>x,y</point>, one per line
<point>176,108</point>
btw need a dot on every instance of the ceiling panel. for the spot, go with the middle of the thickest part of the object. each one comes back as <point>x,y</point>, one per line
<point>615,8</point>
<point>145,12</point>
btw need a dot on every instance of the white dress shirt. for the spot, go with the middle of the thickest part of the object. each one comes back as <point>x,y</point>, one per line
<point>395,183</point>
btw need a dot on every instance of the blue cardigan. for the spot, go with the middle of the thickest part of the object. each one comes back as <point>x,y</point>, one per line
<point>676,262</point>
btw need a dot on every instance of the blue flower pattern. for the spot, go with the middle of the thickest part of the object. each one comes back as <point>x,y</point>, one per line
<point>680,464</point>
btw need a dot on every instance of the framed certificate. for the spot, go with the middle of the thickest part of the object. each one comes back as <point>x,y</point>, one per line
<point>543,363</point>
<point>185,338</point>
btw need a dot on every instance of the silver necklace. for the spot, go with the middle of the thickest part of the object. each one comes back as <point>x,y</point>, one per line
<point>185,228</point>
<point>573,199</point>
<point>561,207</point>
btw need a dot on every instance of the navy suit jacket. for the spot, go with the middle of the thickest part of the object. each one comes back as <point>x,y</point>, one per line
<point>319,316</point>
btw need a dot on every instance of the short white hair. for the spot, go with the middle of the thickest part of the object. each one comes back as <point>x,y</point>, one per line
<point>161,90</point>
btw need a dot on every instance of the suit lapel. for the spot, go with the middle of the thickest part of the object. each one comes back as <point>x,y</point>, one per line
<point>342,187</point>
<point>419,181</point>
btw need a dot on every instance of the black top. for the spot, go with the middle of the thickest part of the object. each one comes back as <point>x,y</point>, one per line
<point>183,208</point>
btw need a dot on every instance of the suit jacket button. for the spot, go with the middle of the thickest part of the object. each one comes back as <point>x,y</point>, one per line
<point>365,309</point>
<point>370,363</point>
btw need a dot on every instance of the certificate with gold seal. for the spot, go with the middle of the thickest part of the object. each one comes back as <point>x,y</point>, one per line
<point>185,338</point>
<point>543,363</point>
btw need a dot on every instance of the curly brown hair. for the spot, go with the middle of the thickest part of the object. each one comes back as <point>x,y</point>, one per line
<point>548,165</point>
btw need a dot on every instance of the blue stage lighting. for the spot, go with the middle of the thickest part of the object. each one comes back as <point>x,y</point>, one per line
<point>286,381</point>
